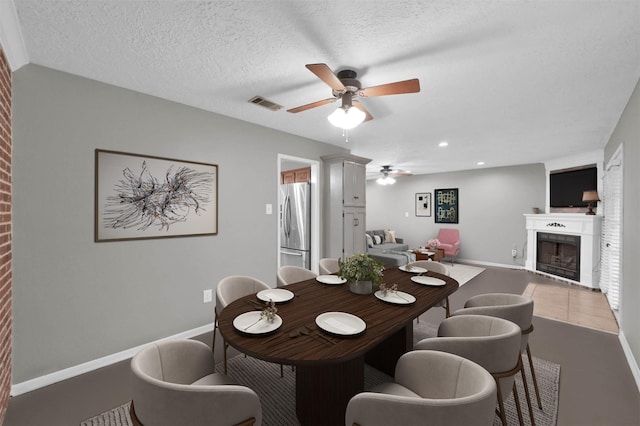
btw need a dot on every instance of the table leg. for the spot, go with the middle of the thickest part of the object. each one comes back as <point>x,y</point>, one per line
<point>323,391</point>
<point>386,354</point>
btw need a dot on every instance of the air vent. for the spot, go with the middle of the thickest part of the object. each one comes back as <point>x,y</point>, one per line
<point>259,100</point>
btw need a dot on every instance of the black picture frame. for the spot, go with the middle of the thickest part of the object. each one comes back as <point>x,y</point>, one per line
<point>142,196</point>
<point>423,204</point>
<point>446,205</point>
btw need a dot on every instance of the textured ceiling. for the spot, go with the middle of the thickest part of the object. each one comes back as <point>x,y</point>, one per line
<point>504,82</point>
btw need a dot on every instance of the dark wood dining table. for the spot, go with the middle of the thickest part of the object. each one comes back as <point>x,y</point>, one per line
<point>330,368</point>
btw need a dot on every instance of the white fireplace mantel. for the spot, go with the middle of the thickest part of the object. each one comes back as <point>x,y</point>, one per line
<point>588,227</point>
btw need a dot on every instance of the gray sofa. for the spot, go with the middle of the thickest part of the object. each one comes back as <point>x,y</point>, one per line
<point>387,253</point>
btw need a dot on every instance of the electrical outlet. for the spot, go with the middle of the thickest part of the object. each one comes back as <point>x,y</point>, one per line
<point>514,253</point>
<point>207,296</point>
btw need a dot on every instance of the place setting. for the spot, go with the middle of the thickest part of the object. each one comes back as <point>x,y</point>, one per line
<point>393,296</point>
<point>330,279</point>
<point>259,322</point>
<point>341,324</point>
<point>412,269</point>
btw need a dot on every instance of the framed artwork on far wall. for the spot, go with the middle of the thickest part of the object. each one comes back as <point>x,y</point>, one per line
<point>446,205</point>
<point>141,196</point>
<point>423,204</point>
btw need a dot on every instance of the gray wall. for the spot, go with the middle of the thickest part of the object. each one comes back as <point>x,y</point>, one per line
<point>627,132</point>
<point>492,202</point>
<point>75,300</point>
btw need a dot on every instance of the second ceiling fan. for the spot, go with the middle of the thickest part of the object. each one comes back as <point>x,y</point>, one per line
<point>346,87</point>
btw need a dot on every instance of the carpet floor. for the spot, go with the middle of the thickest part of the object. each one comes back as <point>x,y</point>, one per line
<point>277,394</point>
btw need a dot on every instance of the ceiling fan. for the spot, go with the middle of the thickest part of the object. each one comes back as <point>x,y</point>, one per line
<point>388,173</point>
<point>346,87</point>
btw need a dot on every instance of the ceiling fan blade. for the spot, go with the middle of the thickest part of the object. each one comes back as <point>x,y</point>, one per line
<point>325,74</point>
<point>397,88</point>
<point>312,105</point>
<point>363,109</point>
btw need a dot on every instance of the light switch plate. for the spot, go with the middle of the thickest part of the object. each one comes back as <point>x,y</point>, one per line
<point>269,209</point>
<point>207,296</point>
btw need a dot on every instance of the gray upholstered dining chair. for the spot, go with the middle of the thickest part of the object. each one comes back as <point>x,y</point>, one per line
<point>430,387</point>
<point>440,268</point>
<point>230,289</point>
<point>515,308</point>
<point>329,266</point>
<point>293,274</point>
<point>493,343</point>
<point>174,383</point>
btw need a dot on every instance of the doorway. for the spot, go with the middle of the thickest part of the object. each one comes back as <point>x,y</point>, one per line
<point>285,163</point>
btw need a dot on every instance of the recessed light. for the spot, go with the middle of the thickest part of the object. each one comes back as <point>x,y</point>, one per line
<point>443,143</point>
<point>480,163</point>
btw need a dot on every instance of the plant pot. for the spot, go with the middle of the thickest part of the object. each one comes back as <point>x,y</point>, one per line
<point>361,287</point>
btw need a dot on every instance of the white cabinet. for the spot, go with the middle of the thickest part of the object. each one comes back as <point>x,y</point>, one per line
<point>344,205</point>
<point>353,223</point>
<point>354,184</point>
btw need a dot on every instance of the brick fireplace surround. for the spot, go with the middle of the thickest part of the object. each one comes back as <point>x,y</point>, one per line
<point>5,234</point>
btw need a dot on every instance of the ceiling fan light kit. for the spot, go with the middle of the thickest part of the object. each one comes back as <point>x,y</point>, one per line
<point>345,86</point>
<point>346,119</point>
<point>386,180</point>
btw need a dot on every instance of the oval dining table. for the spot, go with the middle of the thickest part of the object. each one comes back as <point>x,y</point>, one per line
<point>330,367</point>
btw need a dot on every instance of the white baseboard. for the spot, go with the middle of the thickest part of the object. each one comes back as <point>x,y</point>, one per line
<point>76,370</point>
<point>482,263</point>
<point>633,365</point>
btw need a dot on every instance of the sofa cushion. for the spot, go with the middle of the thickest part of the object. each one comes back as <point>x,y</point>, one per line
<point>369,240</point>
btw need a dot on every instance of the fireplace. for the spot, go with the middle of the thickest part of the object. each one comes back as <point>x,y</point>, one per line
<point>558,254</point>
<point>566,246</point>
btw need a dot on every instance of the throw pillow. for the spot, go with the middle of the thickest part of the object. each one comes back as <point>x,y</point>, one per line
<point>389,236</point>
<point>369,240</point>
<point>377,240</point>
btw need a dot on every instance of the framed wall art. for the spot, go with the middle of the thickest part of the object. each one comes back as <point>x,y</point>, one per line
<point>141,196</point>
<point>446,205</point>
<point>423,204</point>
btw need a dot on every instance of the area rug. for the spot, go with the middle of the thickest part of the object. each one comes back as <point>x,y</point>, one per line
<point>277,394</point>
<point>464,273</point>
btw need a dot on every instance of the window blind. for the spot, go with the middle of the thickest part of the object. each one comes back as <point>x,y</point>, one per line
<point>610,273</point>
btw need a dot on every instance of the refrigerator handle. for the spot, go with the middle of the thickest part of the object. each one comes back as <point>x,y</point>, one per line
<point>290,253</point>
<point>286,217</point>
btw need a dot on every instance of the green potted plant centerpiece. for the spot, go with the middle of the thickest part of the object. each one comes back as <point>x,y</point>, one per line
<point>361,272</point>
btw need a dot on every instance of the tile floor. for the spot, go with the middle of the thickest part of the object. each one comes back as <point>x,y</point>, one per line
<point>574,305</point>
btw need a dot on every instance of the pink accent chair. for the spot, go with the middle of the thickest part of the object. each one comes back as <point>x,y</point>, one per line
<point>449,242</point>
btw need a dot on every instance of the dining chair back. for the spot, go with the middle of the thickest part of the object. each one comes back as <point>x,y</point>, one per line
<point>293,274</point>
<point>493,343</point>
<point>329,266</point>
<point>174,383</point>
<point>429,387</point>
<point>230,289</point>
<point>515,308</point>
<point>440,268</point>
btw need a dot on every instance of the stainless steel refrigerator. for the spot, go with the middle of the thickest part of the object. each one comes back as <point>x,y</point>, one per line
<point>295,224</point>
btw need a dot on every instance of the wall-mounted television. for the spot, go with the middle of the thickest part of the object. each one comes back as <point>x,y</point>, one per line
<point>566,186</point>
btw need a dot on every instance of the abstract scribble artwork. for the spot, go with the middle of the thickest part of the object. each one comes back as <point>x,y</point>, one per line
<point>149,197</point>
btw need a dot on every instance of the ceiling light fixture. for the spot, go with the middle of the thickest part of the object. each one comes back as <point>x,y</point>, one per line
<point>385,180</point>
<point>347,116</point>
<point>443,144</point>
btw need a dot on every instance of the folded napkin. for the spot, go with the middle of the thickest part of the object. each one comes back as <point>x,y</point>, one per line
<point>339,325</point>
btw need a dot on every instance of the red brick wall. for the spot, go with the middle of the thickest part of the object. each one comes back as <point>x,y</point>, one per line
<point>5,234</point>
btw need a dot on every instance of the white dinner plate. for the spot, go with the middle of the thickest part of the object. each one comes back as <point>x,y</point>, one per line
<point>330,279</point>
<point>413,270</point>
<point>341,323</point>
<point>395,297</point>
<point>428,281</point>
<point>251,323</point>
<point>278,295</point>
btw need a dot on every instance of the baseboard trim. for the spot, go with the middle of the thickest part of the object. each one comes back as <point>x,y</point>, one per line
<point>482,263</point>
<point>633,365</point>
<point>76,370</point>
